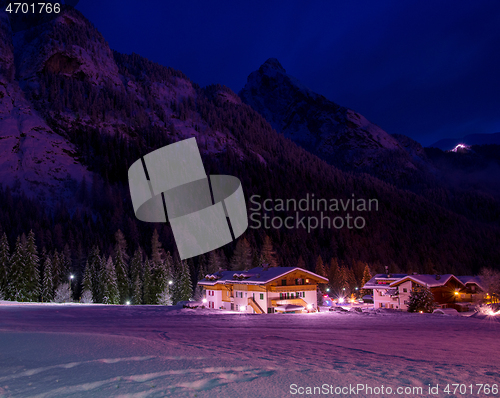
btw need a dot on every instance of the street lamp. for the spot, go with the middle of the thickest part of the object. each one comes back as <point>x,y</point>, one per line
<point>71,276</point>
<point>170,282</point>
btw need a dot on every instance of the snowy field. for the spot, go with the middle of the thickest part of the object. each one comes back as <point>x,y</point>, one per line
<point>150,351</point>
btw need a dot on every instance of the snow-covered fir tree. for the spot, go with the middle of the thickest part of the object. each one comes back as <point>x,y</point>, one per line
<point>15,284</point>
<point>93,269</point>
<point>63,293</point>
<point>182,287</point>
<point>87,284</point>
<point>121,267</point>
<point>147,291</point>
<point>136,266</point>
<point>242,256</point>
<point>31,274</point>
<point>421,299</point>
<point>110,294</point>
<point>48,281</point>
<point>4,264</point>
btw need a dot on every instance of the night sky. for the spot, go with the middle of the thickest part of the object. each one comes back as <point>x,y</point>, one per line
<point>429,70</point>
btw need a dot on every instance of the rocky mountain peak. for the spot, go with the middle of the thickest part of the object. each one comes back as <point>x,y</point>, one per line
<point>274,64</point>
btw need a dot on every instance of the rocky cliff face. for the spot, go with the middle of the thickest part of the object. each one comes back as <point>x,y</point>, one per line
<point>337,134</point>
<point>33,159</point>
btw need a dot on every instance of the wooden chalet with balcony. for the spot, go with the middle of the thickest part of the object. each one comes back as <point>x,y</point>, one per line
<point>263,290</point>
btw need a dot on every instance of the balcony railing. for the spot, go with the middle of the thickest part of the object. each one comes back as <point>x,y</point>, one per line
<point>292,288</point>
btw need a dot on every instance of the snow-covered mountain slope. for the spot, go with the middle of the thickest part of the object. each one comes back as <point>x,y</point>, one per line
<point>339,135</point>
<point>33,159</point>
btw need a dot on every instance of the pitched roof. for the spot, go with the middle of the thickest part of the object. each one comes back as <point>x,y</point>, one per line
<point>255,276</point>
<point>382,280</point>
<point>428,280</point>
<point>470,279</point>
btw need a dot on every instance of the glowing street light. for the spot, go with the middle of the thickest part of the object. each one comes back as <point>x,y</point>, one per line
<point>127,302</point>
<point>170,282</point>
<point>243,308</point>
<point>341,300</point>
<point>71,276</point>
<point>204,300</point>
<point>309,306</point>
<point>327,289</point>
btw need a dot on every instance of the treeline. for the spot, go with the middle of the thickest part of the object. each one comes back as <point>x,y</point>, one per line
<point>29,276</point>
<point>160,278</point>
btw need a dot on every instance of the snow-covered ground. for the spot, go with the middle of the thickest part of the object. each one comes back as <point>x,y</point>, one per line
<point>153,351</point>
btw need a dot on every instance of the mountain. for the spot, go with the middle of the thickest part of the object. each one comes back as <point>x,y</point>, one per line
<point>337,134</point>
<point>33,159</point>
<point>95,111</point>
<point>448,144</point>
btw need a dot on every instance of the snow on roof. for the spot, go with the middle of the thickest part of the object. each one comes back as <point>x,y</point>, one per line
<point>255,276</point>
<point>470,279</point>
<point>379,280</point>
<point>428,280</point>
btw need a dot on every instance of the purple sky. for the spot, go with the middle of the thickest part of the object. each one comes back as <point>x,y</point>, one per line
<point>425,69</point>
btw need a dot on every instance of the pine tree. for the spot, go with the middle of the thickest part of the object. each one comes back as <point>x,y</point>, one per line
<point>320,267</point>
<point>57,269</point>
<point>343,281</point>
<point>183,289</point>
<point>267,253</point>
<point>137,293</point>
<point>15,287</point>
<point>334,275</point>
<point>121,267</point>
<point>367,275</point>
<point>146,285</point>
<point>242,256</point>
<point>87,284</point>
<point>214,264</point>
<point>93,269</point>
<point>301,263</point>
<point>421,300</point>
<point>31,283</point>
<point>160,269</point>
<point>351,280</point>
<point>48,281</point>
<point>136,267</point>
<point>109,284</point>
<point>4,264</point>
<point>202,267</point>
